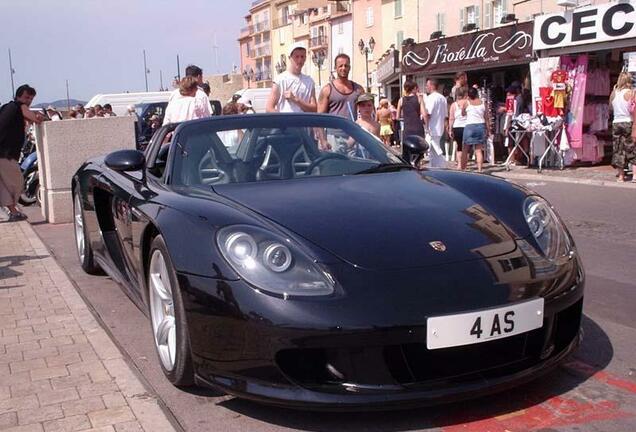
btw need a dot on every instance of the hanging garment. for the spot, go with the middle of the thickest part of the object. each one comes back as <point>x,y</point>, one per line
<point>577,72</point>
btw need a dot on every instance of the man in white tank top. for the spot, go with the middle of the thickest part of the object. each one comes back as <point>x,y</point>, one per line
<point>292,90</point>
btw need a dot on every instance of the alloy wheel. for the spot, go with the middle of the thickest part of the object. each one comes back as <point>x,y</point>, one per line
<point>78,221</point>
<point>162,310</point>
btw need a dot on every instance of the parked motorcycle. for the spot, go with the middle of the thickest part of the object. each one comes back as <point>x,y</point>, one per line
<point>30,174</point>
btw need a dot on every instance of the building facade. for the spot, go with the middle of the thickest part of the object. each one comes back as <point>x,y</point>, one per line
<point>367,34</point>
<point>256,45</point>
<point>341,33</point>
<point>329,27</point>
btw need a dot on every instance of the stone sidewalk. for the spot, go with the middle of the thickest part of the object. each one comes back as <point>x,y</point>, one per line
<point>59,369</point>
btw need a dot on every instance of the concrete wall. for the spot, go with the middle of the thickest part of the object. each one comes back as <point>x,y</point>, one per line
<point>63,146</point>
<point>223,87</point>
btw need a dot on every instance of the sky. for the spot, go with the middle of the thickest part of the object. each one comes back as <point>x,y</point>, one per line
<point>97,45</point>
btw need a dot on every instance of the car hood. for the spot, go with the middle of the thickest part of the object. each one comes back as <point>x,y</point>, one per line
<point>380,221</point>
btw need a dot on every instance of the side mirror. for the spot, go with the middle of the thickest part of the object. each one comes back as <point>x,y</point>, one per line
<point>125,160</point>
<point>415,143</point>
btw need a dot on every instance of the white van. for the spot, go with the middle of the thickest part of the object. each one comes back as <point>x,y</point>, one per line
<point>121,101</point>
<point>257,97</point>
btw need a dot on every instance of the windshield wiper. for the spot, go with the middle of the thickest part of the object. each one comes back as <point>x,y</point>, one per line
<point>387,167</point>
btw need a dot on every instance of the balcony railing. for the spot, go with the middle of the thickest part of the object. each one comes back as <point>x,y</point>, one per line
<point>340,7</point>
<point>262,75</point>
<point>318,42</point>
<point>245,31</point>
<point>281,22</point>
<point>261,51</point>
<point>261,26</point>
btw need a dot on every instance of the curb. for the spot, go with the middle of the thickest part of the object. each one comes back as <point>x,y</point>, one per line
<point>145,405</point>
<point>571,180</point>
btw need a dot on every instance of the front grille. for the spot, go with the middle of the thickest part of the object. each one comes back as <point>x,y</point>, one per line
<point>413,364</point>
<point>450,364</point>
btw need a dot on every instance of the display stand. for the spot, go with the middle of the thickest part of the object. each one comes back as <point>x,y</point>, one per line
<point>516,135</point>
<point>551,138</point>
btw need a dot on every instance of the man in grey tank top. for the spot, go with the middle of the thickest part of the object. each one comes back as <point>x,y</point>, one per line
<point>339,96</point>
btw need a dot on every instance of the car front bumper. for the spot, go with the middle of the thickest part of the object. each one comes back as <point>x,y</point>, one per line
<point>320,356</point>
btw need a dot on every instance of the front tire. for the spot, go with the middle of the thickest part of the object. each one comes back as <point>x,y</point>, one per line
<point>167,316</point>
<point>82,242</point>
<point>31,189</point>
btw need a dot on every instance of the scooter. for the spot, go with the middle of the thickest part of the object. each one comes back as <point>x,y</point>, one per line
<point>31,175</point>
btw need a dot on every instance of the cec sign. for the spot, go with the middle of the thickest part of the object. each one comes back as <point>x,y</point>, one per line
<point>586,25</point>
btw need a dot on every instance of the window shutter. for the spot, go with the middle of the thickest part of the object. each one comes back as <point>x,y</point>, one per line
<point>488,21</point>
<point>504,7</point>
<point>477,17</point>
<point>461,20</point>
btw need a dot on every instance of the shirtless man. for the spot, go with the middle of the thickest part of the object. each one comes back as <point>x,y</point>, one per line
<point>385,119</point>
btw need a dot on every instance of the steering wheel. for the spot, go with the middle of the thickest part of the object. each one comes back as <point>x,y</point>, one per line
<point>209,174</point>
<point>321,159</point>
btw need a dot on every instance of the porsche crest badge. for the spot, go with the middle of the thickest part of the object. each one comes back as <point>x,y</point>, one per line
<point>438,246</point>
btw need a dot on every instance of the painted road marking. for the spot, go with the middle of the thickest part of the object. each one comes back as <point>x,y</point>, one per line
<point>567,410</point>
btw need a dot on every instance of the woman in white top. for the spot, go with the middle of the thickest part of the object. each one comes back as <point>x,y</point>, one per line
<point>457,122</point>
<point>185,106</point>
<point>475,132</point>
<point>622,132</point>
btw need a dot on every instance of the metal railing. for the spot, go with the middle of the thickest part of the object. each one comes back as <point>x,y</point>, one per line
<point>262,75</point>
<point>281,22</point>
<point>261,51</point>
<point>318,41</point>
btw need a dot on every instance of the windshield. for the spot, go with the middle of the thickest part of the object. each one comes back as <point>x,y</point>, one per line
<point>275,147</point>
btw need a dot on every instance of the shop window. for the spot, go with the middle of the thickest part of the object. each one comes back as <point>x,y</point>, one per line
<point>369,17</point>
<point>398,9</point>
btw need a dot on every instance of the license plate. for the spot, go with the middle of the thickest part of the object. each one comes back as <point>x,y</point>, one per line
<point>484,325</point>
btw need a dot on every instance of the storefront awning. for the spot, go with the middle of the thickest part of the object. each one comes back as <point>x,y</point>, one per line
<point>498,47</point>
<point>389,67</point>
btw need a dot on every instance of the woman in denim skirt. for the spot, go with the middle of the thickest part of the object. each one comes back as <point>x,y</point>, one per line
<point>475,131</point>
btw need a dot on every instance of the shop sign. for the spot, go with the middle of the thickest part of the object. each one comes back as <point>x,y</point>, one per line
<point>389,66</point>
<point>592,24</point>
<point>501,46</point>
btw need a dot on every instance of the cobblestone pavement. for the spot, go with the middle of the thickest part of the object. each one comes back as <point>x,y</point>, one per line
<point>59,369</point>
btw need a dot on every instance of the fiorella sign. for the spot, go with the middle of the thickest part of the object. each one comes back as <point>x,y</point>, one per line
<point>501,46</point>
<point>592,24</point>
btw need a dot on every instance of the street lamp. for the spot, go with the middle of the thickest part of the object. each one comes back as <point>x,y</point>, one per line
<point>146,71</point>
<point>318,57</point>
<point>11,72</point>
<point>366,49</point>
<point>248,75</point>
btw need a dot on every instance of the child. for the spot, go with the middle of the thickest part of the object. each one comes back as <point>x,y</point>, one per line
<point>364,104</point>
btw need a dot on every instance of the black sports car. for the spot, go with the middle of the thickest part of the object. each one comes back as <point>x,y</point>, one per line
<point>295,260</point>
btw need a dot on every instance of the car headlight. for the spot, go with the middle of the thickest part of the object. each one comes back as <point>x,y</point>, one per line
<point>272,263</point>
<point>546,228</point>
